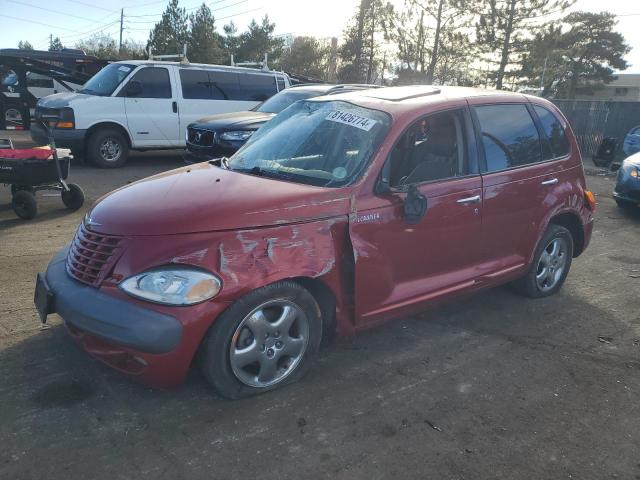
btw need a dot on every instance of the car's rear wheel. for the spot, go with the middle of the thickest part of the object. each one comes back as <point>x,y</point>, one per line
<point>107,148</point>
<point>550,266</point>
<point>265,340</point>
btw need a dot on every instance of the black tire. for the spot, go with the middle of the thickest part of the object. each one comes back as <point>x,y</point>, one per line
<point>24,204</point>
<point>529,284</point>
<point>216,347</point>
<point>17,188</point>
<point>77,154</point>
<point>74,198</point>
<point>625,205</point>
<point>99,148</point>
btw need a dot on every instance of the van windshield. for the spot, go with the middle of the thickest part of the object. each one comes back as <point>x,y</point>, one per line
<point>107,80</point>
<point>325,144</point>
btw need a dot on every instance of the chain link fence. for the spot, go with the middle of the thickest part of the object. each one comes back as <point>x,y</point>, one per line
<point>593,120</point>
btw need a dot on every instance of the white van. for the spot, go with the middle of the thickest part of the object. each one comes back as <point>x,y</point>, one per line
<point>146,104</point>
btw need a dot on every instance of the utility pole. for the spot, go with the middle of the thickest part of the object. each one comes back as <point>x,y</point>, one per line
<point>121,28</point>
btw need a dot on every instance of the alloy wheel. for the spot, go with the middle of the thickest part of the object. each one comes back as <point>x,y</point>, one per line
<point>552,264</point>
<point>110,149</point>
<point>269,343</point>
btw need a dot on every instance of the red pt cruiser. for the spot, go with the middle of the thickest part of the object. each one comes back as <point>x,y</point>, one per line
<point>340,213</point>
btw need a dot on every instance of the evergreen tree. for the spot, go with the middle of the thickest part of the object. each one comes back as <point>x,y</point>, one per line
<point>171,33</point>
<point>504,25</point>
<point>258,40</point>
<point>582,57</point>
<point>55,45</point>
<point>306,56</point>
<point>24,45</point>
<point>205,44</point>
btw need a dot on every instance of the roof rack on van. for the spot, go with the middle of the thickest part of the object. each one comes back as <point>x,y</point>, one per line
<point>261,65</point>
<point>182,57</point>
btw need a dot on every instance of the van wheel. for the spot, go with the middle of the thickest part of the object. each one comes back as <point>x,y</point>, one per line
<point>265,340</point>
<point>24,204</point>
<point>108,148</point>
<point>550,266</point>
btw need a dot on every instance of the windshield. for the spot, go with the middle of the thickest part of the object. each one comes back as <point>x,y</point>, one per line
<point>10,79</point>
<point>107,80</point>
<point>282,100</point>
<point>318,143</point>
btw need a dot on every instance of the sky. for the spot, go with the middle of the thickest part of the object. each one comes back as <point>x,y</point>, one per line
<point>73,20</point>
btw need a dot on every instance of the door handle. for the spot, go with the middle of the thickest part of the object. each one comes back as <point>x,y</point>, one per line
<point>469,200</point>
<point>174,106</point>
<point>552,181</point>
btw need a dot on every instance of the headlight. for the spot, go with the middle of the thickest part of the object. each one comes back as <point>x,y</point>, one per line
<point>237,136</point>
<point>634,172</point>
<point>173,285</point>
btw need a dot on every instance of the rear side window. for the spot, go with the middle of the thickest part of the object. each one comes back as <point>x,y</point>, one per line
<point>224,85</point>
<point>219,85</point>
<point>554,132</point>
<point>281,85</point>
<point>509,136</point>
<point>256,87</point>
<point>155,82</point>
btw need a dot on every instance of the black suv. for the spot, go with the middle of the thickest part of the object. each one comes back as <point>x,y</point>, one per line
<point>225,133</point>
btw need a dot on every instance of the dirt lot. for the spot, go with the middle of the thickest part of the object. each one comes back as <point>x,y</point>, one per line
<point>494,386</point>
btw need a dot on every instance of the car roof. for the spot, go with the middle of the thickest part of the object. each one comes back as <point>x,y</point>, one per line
<point>405,99</point>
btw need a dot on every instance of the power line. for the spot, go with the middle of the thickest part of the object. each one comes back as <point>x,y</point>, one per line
<point>92,6</point>
<point>33,21</point>
<point>52,11</point>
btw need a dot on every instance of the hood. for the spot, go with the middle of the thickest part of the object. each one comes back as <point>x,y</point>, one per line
<point>205,198</point>
<point>59,100</point>
<point>633,160</point>
<point>241,120</point>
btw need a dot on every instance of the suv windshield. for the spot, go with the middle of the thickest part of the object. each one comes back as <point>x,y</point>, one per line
<point>107,80</point>
<point>318,143</point>
<point>282,100</point>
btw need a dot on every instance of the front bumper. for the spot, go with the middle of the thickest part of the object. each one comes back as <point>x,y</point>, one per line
<point>111,319</point>
<point>73,139</point>
<point>627,187</point>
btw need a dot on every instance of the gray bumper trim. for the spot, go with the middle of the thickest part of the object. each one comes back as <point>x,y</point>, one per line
<point>112,319</point>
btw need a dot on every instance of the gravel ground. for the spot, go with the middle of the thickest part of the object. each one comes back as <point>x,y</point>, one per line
<point>493,386</point>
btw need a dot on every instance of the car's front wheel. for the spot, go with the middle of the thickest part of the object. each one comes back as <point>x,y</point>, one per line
<point>550,266</point>
<point>266,339</point>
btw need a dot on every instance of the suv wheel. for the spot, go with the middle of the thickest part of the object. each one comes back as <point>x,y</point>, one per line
<point>108,148</point>
<point>266,339</point>
<point>550,266</point>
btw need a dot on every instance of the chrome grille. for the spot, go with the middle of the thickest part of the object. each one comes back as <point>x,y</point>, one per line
<point>200,137</point>
<point>91,256</point>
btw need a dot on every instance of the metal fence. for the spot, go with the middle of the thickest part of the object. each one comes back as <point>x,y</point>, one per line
<point>593,120</point>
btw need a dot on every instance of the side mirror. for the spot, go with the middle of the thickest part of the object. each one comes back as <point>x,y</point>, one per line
<point>134,88</point>
<point>383,185</point>
<point>415,205</point>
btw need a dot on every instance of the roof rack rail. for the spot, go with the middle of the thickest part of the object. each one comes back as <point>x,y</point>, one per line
<point>182,57</point>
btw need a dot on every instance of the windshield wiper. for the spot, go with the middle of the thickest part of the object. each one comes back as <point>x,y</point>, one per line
<point>264,172</point>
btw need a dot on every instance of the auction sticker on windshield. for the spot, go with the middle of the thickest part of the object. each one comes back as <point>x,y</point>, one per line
<point>348,118</point>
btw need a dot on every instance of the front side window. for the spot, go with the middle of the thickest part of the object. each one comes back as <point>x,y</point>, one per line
<point>509,136</point>
<point>325,144</point>
<point>554,132</point>
<point>40,81</point>
<point>433,148</point>
<point>107,80</point>
<point>154,81</point>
